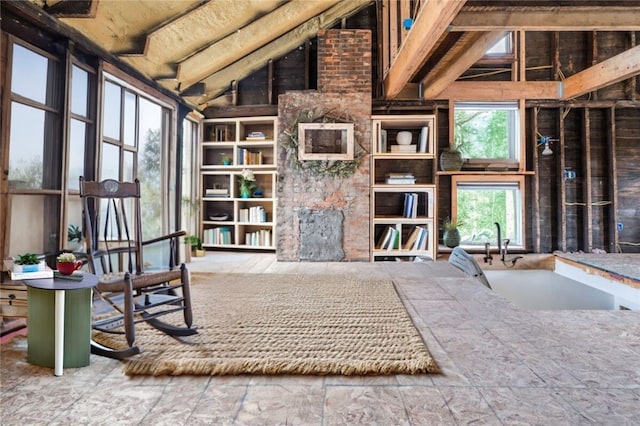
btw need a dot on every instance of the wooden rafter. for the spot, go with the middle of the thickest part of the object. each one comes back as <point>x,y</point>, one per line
<point>574,18</point>
<point>218,82</point>
<point>246,40</point>
<point>466,52</point>
<point>501,90</point>
<point>622,66</point>
<point>431,22</point>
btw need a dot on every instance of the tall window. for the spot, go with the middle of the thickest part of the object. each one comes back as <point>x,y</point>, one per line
<point>479,205</point>
<point>488,131</point>
<point>135,144</point>
<point>34,155</point>
<point>190,132</point>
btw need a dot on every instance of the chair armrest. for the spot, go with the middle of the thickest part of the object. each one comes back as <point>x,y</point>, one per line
<point>164,237</point>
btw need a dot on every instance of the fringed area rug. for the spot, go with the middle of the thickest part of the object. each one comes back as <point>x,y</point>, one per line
<point>285,324</point>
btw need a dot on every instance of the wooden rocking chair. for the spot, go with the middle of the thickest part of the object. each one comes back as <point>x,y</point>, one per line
<point>126,294</point>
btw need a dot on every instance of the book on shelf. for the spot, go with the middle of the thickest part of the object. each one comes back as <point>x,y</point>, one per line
<point>384,237</point>
<point>400,179</point>
<point>256,136</point>
<point>411,239</point>
<point>216,191</point>
<point>260,238</point>
<point>247,157</point>
<point>219,235</point>
<point>404,148</point>
<point>424,139</point>
<point>410,209</point>
<point>382,141</point>
<point>256,214</point>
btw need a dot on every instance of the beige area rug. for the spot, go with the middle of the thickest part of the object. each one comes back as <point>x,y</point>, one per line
<point>286,324</point>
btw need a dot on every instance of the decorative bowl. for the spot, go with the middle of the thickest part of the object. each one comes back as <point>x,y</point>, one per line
<point>404,138</point>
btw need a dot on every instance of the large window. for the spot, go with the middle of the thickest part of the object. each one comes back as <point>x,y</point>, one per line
<point>488,132</point>
<point>35,160</point>
<point>136,144</point>
<point>479,205</point>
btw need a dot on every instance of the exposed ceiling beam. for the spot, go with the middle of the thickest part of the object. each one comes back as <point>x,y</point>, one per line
<point>248,39</point>
<point>469,49</point>
<point>215,18</point>
<point>574,18</point>
<point>620,67</point>
<point>430,23</point>
<point>501,90</point>
<point>219,82</point>
<point>73,9</point>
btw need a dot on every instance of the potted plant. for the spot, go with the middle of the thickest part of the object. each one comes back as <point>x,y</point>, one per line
<point>226,160</point>
<point>74,237</point>
<point>247,183</point>
<point>451,237</point>
<point>196,245</point>
<point>28,262</point>
<point>66,263</point>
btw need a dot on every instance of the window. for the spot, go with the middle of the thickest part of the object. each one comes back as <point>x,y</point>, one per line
<point>35,157</point>
<point>478,205</point>
<point>136,144</point>
<point>502,47</point>
<point>487,132</point>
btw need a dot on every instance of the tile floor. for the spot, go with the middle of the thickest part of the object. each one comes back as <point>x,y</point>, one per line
<point>501,365</point>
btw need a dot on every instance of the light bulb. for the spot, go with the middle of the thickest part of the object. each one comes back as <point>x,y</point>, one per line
<point>547,150</point>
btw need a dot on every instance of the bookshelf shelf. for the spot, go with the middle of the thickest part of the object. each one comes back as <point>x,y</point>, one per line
<point>403,192</point>
<point>249,223</point>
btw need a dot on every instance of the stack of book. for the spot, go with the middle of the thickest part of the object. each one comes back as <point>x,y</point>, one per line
<point>404,148</point>
<point>216,192</point>
<point>256,136</point>
<point>410,205</point>
<point>400,179</point>
<point>261,238</point>
<point>255,214</point>
<point>221,235</point>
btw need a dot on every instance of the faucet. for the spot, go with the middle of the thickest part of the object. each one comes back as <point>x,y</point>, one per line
<point>503,251</point>
<point>499,241</point>
<point>487,249</point>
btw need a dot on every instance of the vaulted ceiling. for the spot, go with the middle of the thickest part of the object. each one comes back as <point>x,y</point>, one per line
<point>196,48</point>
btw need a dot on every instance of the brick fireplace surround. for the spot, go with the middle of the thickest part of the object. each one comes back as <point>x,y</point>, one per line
<point>344,88</point>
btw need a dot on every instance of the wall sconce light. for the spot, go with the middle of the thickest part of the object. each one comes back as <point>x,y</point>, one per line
<point>546,141</point>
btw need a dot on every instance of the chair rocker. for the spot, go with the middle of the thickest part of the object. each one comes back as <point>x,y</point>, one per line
<point>127,295</point>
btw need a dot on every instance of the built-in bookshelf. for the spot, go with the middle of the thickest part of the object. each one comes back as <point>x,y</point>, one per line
<point>230,146</point>
<point>403,191</point>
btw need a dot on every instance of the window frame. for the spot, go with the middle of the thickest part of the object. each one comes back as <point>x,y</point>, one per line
<point>485,181</point>
<point>516,136</point>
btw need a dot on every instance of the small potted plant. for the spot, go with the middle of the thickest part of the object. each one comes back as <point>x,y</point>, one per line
<point>451,236</point>
<point>28,262</point>
<point>247,183</point>
<point>74,237</point>
<point>226,160</point>
<point>196,245</point>
<point>66,263</point>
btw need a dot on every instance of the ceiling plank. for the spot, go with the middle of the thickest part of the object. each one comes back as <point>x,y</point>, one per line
<point>246,40</point>
<point>431,22</point>
<point>573,18</point>
<point>122,26</point>
<point>193,31</point>
<point>500,90</point>
<point>470,48</point>
<point>218,82</point>
<point>620,67</point>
